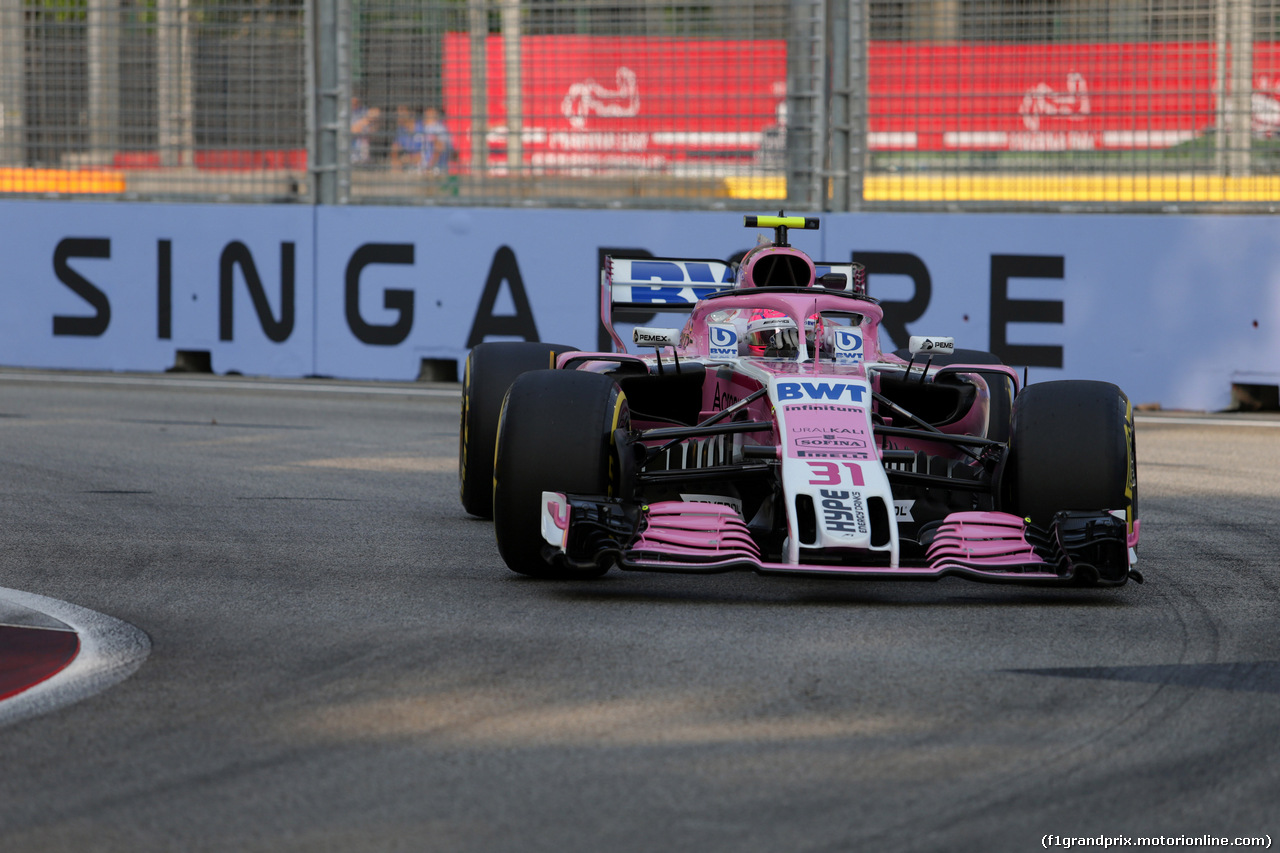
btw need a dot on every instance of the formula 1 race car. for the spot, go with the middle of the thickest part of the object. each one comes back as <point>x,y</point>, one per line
<point>771,433</point>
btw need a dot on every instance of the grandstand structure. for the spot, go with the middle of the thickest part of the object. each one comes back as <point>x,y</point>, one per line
<point>1089,105</point>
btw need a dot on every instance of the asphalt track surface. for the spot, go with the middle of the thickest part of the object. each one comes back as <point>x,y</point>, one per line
<point>339,661</point>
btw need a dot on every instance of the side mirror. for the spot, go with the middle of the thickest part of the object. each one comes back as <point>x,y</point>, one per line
<point>931,345</point>
<point>651,336</point>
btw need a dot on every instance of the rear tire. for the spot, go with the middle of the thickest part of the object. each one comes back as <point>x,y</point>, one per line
<point>488,373</point>
<point>1072,448</point>
<point>555,435</point>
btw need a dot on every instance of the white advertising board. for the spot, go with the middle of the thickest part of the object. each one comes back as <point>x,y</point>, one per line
<point>1171,308</point>
<point>123,286</point>
<point>396,285</point>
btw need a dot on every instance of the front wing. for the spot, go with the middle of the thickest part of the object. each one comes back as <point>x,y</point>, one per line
<point>1078,548</point>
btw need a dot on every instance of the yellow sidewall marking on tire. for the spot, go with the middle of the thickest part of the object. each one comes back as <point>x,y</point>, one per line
<point>619,401</point>
<point>497,442</point>
<point>462,455</point>
<point>1131,468</point>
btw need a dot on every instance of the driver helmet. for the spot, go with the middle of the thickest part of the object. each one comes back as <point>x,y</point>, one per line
<point>771,332</point>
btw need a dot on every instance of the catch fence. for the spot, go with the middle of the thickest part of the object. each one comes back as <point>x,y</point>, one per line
<point>1117,105</point>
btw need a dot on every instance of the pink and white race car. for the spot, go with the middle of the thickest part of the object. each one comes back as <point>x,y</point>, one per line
<point>770,433</point>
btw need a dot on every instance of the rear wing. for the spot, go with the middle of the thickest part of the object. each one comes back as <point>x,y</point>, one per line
<point>663,284</point>
<point>646,286</point>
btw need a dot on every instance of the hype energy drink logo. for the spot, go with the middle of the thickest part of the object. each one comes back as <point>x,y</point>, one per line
<point>724,340</point>
<point>848,346</point>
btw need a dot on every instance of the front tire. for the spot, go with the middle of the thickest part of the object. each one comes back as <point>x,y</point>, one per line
<point>1072,448</point>
<point>556,434</point>
<point>487,374</point>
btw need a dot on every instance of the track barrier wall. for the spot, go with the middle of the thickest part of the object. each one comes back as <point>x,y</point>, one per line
<point>1175,310</point>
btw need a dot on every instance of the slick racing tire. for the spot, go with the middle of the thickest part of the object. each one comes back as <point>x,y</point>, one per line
<point>488,373</point>
<point>1072,448</point>
<point>556,435</point>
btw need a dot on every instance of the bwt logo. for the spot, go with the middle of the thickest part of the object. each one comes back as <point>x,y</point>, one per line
<point>722,336</point>
<point>689,272</point>
<point>820,391</point>
<point>848,340</point>
<point>657,295</point>
<point>848,346</point>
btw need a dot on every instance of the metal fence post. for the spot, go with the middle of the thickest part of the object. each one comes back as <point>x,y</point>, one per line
<point>859,146</point>
<point>1240,100</point>
<point>806,105</point>
<point>12,83</point>
<point>327,109</point>
<point>838,95</point>
<point>343,48</point>
<point>175,84</point>
<point>515,111</point>
<point>102,19</point>
<point>478,29</point>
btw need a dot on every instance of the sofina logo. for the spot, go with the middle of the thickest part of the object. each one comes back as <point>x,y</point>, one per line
<point>848,347</point>
<point>724,340</point>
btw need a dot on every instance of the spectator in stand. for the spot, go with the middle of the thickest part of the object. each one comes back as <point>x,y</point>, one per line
<point>407,148</point>
<point>364,124</point>
<point>437,149</point>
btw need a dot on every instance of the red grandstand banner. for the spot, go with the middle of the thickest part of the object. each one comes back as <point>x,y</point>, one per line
<point>1054,97</point>
<point>604,101</point>
<point>593,101</point>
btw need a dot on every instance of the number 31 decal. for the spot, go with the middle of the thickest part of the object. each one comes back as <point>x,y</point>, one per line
<point>828,473</point>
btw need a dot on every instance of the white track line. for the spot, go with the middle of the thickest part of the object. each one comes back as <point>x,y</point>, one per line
<point>247,384</point>
<point>1207,420</point>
